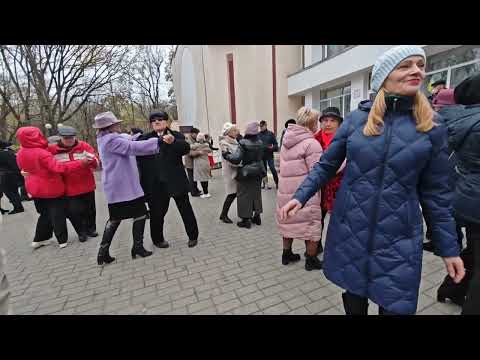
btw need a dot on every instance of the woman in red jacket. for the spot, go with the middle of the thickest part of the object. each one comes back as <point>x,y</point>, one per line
<point>79,185</point>
<point>330,120</point>
<point>45,185</point>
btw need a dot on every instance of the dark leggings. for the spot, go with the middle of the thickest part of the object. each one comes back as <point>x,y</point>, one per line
<point>227,203</point>
<point>204,186</point>
<point>358,305</point>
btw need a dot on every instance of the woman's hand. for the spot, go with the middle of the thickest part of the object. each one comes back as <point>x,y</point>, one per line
<point>24,173</point>
<point>290,209</point>
<point>455,268</point>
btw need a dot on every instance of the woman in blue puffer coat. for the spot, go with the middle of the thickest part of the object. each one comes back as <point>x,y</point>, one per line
<point>396,160</point>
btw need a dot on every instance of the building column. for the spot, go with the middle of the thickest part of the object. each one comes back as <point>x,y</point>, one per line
<point>359,88</point>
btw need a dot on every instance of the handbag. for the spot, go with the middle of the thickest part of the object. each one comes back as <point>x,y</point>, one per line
<point>251,171</point>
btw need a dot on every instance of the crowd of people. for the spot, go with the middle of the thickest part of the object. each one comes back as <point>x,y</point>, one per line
<point>396,160</point>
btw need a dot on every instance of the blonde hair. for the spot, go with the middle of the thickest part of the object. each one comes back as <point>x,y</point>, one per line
<point>422,112</point>
<point>307,117</point>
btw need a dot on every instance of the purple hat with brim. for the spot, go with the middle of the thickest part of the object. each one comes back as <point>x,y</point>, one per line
<point>252,129</point>
<point>105,119</point>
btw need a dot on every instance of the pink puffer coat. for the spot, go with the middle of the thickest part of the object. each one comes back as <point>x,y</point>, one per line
<point>300,151</point>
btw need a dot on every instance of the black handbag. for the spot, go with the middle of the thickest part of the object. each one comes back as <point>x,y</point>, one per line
<point>251,171</point>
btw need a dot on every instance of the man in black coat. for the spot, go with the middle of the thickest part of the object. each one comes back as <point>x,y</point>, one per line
<point>163,176</point>
<point>10,178</point>
<point>270,141</point>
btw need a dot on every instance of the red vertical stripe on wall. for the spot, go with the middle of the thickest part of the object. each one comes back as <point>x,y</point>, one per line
<point>231,88</point>
<point>274,84</point>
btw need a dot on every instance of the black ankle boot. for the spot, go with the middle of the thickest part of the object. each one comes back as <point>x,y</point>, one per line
<point>312,263</point>
<point>103,251</point>
<point>106,258</point>
<point>288,256</point>
<point>226,219</point>
<point>3,211</point>
<point>354,305</point>
<point>245,223</point>
<point>137,232</point>
<point>16,211</point>
<point>256,219</point>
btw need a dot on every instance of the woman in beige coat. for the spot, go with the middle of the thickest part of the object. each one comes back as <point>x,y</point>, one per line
<point>201,164</point>
<point>229,170</point>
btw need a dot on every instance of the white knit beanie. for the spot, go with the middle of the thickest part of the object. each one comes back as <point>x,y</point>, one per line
<point>387,62</point>
<point>226,128</point>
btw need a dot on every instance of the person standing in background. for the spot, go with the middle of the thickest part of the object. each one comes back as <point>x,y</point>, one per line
<point>10,178</point>
<point>188,158</point>
<point>271,146</point>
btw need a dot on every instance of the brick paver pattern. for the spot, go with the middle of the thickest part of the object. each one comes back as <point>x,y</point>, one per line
<point>231,271</point>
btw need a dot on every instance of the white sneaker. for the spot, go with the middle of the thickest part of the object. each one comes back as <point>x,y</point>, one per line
<point>205,196</point>
<point>64,245</point>
<point>37,244</point>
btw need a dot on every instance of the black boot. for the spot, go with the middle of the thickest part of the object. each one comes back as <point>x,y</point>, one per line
<point>137,231</point>
<point>312,263</point>
<point>226,206</point>
<point>256,219</point>
<point>354,304</point>
<point>3,211</point>
<point>92,233</point>
<point>103,251</point>
<point>226,219</point>
<point>288,256</point>
<point>16,211</point>
<point>82,237</point>
<point>245,223</point>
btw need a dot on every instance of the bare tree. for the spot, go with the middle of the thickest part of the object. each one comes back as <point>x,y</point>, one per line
<point>147,78</point>
<point>65,77</point>
<point>15,87</point>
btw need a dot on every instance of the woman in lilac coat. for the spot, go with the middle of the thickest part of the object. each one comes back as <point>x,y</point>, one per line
<point>121,183</point>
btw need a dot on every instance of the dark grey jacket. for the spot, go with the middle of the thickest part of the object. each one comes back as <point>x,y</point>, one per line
<point>463,124</point>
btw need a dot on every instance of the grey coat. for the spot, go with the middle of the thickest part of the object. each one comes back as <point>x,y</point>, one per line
<point>4,288</point>
<point>188,159</point>
<point>229,170</point>
<point>201,165</point>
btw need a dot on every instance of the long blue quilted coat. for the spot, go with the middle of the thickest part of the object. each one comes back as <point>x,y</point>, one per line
<point>374,240</point>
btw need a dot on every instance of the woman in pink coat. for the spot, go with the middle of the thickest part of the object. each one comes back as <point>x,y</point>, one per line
<point>299,152</point>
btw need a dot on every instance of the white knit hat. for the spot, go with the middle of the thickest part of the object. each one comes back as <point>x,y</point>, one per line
<point>226,128</point>
<point>387,62</point>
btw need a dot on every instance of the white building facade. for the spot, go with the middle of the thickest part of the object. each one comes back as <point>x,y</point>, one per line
<point>215,84</point>
<point>339,75</point>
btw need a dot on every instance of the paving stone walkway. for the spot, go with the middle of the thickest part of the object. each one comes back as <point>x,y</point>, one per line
<point>231,271</point>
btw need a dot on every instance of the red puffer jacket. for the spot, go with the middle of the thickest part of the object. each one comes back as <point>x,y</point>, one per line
<point>82,181</point>
<point>44,178</point>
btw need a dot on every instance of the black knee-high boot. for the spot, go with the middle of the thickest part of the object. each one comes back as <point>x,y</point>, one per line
<point>226,206</point>
<point>137,232</point>
<point>103,252</point>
